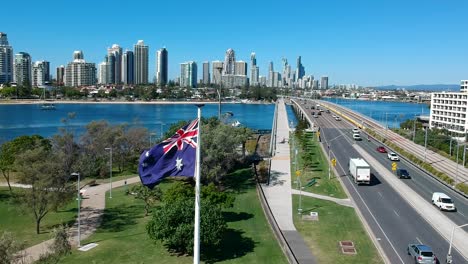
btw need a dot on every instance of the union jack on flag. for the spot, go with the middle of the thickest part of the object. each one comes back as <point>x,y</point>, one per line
<point>175,156</point>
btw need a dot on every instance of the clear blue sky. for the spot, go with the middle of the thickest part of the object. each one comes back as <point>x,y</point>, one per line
<point>366,42</point>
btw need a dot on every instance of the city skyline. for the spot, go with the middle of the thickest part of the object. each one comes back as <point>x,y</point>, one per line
<point>366,43</point>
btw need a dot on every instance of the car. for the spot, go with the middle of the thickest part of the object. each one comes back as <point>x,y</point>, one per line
<point>393,156</point>
<point>356,130</point>
<point>319,113</point>
<point>357,137</point>
<point>315,115</point>
<point>443,201</point>
<point>328,111</point>
<point>381,149</point>
<point>421,254</point>
<point>334,116</point>
<point>337,118</point>
<point>402,173</point>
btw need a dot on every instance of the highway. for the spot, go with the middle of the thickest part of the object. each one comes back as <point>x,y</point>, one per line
<point>393,221</point>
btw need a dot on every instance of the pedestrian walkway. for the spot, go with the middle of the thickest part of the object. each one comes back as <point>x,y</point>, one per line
<point>278,193</point>
<point>345,202</point>
<point>92,209</point>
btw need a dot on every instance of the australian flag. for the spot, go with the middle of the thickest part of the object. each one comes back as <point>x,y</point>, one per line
<point>175,156</point>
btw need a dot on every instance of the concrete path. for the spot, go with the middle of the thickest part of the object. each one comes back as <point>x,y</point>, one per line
<point>92,209</point>
<point>344,202</point>
<point>278,193</point>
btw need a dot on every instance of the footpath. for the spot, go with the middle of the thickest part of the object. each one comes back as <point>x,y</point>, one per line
<point>278,192</point>
<point>92,209</point>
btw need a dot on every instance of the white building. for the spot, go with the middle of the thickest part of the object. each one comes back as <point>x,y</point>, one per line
<point>188,74</point>
<point>449,111</point>
<point>103,72</point>
<point>40,73</point>
<point>140,63</point>
<point>79,72</point>
<point>464,86</point>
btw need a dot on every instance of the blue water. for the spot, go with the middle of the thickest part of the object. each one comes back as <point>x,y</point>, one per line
<point>390,113</point>
<point>17,120</point>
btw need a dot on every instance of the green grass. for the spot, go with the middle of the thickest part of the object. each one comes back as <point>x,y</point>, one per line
<point>335,223</point>
<point>318,170</point>
<point>122,237</point>
<point>23,225</point>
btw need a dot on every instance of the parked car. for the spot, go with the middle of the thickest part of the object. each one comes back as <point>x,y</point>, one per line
<point>381,149</point>
<point>443,201</point>
<point>357,137</point>
<point>328,111</point>
<point>315,115</point>
<point>334,116</point>
<point>422,254</point>
<point>356,130</point>
<point>319,112</point>
<point>393,156</point>
<point>402,173</point>
<point>337,118</point>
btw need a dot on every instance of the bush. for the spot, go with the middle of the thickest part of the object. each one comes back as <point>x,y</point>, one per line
<point>462,187</point>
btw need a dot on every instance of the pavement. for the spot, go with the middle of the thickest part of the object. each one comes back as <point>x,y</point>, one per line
<point>344,202</point>
<point>92,209</point>
<point>279,192</point>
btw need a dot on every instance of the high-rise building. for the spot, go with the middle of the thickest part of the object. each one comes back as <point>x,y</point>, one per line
<point>22,66</point>
<point>110,72</point>
<point>464,86</point>
<point>230,62</point>
<point>60,75</point>
<point>162,67</point>
<point>115,70</point>
<point>128,67</point>
<point>40,73</point>
<point>315,85</point>
<point>324,83</point>
<point>254,71</point>
<point>6,60</point>
<point>206,72</point>
<point>79,72</point>
<point>253,59</point>
<point>188,74</point>
<point>103,72</point>
<point>270,74</point>
<point>141,63</point>
<point>300,71</point>
<point>217,68</point>
<point>241,68</point>
<point>78,55</point>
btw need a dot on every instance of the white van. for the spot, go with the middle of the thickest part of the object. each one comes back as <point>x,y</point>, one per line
<point>443,201</point>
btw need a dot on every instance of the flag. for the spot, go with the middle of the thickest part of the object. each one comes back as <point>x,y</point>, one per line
<point>175,156</point>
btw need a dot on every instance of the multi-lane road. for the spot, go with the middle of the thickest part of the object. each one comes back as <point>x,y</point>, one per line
<point>393,221</point>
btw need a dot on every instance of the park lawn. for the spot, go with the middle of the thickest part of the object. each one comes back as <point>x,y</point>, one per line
<point>122,237</point>
<point>319,171</point>
<point>22,224</point>
<point>336,223</point>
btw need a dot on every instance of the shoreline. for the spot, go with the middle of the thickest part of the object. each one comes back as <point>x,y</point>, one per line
<point>37,102</point>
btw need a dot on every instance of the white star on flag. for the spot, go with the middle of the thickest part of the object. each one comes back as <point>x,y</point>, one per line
<point>179,164</point>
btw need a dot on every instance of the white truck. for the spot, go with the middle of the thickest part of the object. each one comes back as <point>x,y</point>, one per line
<point>359,170</point>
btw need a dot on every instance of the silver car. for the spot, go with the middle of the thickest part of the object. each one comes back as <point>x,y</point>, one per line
<point>421,254</point>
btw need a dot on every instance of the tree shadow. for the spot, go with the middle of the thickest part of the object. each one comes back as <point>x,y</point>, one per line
<point>233,245</point>
<point>239,180</point>
<point>234,217</point>
<point>119,218</point>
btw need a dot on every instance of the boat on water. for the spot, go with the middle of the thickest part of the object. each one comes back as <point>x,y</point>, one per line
<point>236,123</point>
<point>48,106</point>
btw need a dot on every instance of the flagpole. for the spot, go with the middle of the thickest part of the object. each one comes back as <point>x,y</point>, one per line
<point>196,232</point>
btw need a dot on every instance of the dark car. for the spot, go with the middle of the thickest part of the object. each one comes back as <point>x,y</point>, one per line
<point>328,111</point>
<point>402,173</point>
<point>319,113</point>
<point>421,254</point>
<point>381,149</point>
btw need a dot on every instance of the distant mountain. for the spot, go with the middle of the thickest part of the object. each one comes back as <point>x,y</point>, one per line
<point>423,87</point>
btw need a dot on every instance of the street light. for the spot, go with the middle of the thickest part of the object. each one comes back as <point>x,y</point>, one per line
<point>329,160</point>
<point>78,198</point>
<point>449,254</point>
<point>110,170</point>
<point>162,129</point>
<point>425,145</point>
<point>151,139</point>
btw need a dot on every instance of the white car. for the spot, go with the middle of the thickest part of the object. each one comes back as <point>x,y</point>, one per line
<point>337,118</point>
<point>393,157</point>
<point>357,137</point>
<point>443,201</point>
<point>356,130</point>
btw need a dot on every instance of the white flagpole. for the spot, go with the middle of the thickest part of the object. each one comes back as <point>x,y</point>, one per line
<point>196,232</point>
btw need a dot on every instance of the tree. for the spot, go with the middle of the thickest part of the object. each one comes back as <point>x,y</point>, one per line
<point>49,190</point>
<point>148,196</point>
<point>9,249</point>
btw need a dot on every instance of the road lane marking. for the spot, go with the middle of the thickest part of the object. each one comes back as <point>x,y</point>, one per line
<point>396,213</point>
<point>419,240</point>
<point>380,194</point>
<point>461,213</point>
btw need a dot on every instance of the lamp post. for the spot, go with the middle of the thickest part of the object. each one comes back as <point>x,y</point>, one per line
<point>414,129</point>
<point>456,174</point>
<point>449,254</point>
<point>110,171</point>
<point>78,198</point>
<point>451,135</point>
<point>425,145</point>
<point>151,139</point>
<point>162,130</point>
<point>329,158</point>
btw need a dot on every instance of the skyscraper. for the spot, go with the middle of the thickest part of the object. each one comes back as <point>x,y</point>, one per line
<point>116,68</point>
<point>206,72</point>
<point>270,75</point>
<point>141,62</point>
<point>300,71</point>
<point>188,74</point>
<point>217,67</point>
<point>6,60</point>
<point>103,72</point>
<point>162,67</point>
<point>128,67</point>
<point>110,72</point>
<point>324,83</point>
<point>60,75</point>
<point>230,62</point>
<point>40,73</point>
<point>22,67</point>
<point>241,68</point>
<point>254,71</point>
<point>79,72</point>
